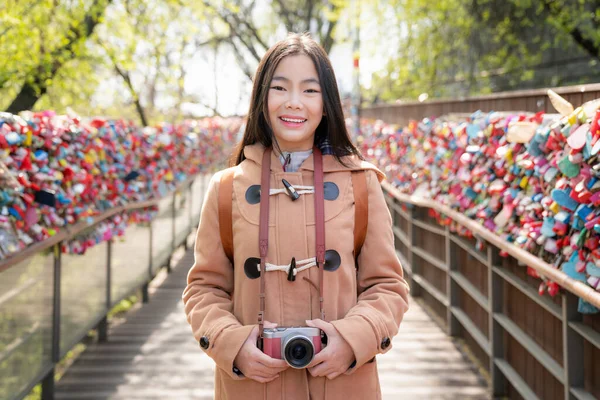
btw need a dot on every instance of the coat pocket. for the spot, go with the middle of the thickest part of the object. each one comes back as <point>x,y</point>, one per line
<point>362,384</point>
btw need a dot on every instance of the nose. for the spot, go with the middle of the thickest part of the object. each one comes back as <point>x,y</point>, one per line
<point>294,102</point>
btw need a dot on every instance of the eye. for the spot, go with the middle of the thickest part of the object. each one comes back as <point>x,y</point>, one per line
<point>312,91</point>
<point>277,87</point>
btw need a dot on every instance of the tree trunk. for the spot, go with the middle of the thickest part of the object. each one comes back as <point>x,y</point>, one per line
<point>33,89</point>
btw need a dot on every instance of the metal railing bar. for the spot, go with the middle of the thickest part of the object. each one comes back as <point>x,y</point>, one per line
<point>18,342</point>
<point>432,290</point>
<point>18,290</point>
<point>469,249</point>
<point>586,332</point>
<point>400,235</point>
<point>581,289</point>
<point>524,288</point>
<point>429,227</point>
<point>531,346</point>
<point>441,265</point>
<point>582,394</point>
<point>515,379</point>
<point>470,289</point>
<point>473,330</point>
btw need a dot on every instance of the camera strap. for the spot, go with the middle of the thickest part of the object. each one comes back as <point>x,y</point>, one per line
<point>263,230</point>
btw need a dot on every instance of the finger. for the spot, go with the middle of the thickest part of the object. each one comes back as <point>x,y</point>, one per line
<point>270,325</point>
<point>319,323</point>
<point>268,371</point>
<point>320,357</point>
<point>333,375</point>
<point>270,361</point>
<point>263,379</point>
<point>320,370</point>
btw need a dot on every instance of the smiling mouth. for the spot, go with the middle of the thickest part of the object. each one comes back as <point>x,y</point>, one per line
<point>293,120</point>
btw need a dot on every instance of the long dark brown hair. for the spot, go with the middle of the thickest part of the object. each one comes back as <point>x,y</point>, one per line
<point>332,127</point>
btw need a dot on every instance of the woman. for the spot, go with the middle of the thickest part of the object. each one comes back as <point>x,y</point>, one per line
<point>295,129</point>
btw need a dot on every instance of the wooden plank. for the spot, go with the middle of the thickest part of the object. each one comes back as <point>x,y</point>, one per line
<point>405,264</point>
<point>441,265</point>
<point>522,286</point>
<point>430,227</point>
<point>469,249</point>
<point>400,235</point>
<point>515,380</point>
<point>432,290</point>
<point>531,346</point>
<point>470,289</point>
<point>586,332</point>
<point>473,330</point>
<point>582,394</point>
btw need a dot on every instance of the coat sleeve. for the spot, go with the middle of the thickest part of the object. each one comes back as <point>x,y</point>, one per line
<point>371,324</point>
<point>208,295</point>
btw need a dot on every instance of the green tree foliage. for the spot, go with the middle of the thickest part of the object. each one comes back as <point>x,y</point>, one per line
<point>136,53</point>
<point>452,48</point>
<point>46,35</point>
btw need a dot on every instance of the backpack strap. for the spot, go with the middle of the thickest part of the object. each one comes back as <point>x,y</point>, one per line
<point>361,210</point>
<point>225,209</point>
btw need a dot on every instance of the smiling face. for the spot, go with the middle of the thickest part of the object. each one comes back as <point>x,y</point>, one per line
<point>295,103</point>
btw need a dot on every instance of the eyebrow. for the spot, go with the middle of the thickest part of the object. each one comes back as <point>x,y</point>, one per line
<point>308,80</point>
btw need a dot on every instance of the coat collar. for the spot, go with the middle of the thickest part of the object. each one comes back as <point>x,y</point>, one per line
<point>254,152</point>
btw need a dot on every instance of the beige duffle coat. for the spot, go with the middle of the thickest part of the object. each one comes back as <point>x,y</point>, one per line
<point>366,307</point>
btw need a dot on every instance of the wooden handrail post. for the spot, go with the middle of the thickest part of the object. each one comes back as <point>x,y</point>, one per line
<point>414,264</point>
<point>572,345</point>
<point>451,287</point>
<point>495,304</point>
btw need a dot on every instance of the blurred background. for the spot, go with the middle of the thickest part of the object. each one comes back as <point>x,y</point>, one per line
<point>164,60</point>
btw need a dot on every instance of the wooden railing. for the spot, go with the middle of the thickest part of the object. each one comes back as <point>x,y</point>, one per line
<point>49,301</point>
<point>519,100</point>
<point>534,347</point>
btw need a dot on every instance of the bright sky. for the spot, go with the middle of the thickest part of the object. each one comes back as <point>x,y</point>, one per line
<point>235,88</point>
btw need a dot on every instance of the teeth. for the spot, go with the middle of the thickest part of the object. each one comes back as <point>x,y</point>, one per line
<point>293,120</point>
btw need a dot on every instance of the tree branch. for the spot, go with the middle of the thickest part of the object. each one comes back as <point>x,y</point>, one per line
<point>37,85</point>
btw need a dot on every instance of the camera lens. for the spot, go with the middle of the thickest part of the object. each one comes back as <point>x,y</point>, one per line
<point>299,352</point>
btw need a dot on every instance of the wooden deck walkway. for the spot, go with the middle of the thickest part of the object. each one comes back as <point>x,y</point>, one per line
<point>152,355</point>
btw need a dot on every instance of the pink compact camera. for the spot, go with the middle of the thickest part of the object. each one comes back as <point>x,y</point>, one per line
<point>297,345</point>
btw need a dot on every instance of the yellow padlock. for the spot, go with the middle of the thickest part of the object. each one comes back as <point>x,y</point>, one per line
<point>62,162</point>
<point>524,182</point>
<point>554,207</point>
<point>27,141</point>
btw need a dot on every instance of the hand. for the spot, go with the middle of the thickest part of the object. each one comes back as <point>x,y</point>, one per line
<point>255,364</point>
<point>336,357</point>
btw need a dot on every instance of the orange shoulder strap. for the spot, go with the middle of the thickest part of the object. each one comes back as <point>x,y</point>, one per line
<point>225,208</point>
<point>361,210</point>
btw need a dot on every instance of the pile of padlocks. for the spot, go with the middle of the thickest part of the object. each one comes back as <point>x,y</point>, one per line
<point>532,179</point>
<point>57,170</point>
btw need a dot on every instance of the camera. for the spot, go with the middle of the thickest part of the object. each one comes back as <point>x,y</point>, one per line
<point>297,345</point>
